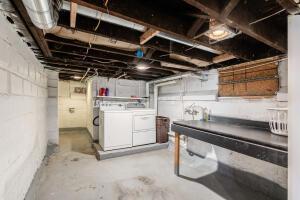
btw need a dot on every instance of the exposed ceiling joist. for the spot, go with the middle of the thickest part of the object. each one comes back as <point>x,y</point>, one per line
<point>72,46</point>
<point>228,8</point>
<point>83,70</point>
<point>69,59</point>
<point>73,14</point>
<point>78,66</point>
<point>150,33</point>
<point>150,17</point>
<point>122,34</point>
<point>195,27</point>
<point>240,19</point>
<point>37,33</point>
<point>290,5</point>
<point>222,58</point>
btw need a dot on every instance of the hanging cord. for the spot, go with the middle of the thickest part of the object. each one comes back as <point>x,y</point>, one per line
<point>94,121</point>
<point>170,50</point>
<point>94,37</point>
<point>87,71</point>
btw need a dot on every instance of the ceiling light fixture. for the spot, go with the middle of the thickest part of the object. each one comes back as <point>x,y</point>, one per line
<point>142,67</point>
<point>218,31</point>
<point>77,77</point>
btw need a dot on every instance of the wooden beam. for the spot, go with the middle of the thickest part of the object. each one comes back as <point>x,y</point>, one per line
<point>240,18</point>
<point>222,58</point>
<point>174,25</point>
<point>80,47</point>
<point>228,8</point>
<point>69,59</point>
<point>106,67</point>
<point>154,18</point>
<point>73,14</point>
<point>37,34</point>
<point>150,33</point>
<point>290,5</point>
<point>119,33</point>
<point>83,69</point>
<point>195,27</point>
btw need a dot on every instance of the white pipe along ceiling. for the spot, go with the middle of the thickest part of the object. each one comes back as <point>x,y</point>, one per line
<point>116,20</point>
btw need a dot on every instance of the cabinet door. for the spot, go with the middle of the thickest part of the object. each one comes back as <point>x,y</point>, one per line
<point>143,122</point>
<point>143,137</point>
<point>117,130</point>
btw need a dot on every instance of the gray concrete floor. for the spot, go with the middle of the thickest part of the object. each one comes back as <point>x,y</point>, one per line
<point>72,173</point>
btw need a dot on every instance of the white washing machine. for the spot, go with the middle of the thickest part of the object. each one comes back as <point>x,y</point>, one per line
<point>115,129</point>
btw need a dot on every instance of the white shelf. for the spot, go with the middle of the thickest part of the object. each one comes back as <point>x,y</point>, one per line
<point>124,98</point>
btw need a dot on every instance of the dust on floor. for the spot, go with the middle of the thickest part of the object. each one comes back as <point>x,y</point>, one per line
<point>70,174</point>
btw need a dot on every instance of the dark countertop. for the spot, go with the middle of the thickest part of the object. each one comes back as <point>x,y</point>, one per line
<point>237,131</point>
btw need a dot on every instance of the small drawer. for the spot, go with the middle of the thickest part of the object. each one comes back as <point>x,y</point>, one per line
<point>143,122</point>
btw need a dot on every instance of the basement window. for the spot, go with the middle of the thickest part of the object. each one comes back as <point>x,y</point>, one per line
<point>252,79</point>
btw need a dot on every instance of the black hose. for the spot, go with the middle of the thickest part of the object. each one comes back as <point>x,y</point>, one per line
<point>95,120</point>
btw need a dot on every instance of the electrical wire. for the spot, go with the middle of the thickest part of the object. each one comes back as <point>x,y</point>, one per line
<point>94,121</point>
<point>264,18</point>
<point>87,71</point>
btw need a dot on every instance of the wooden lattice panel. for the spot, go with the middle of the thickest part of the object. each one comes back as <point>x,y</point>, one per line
<point>254,79</point>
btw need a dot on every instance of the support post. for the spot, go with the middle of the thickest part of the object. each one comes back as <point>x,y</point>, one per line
<point>177,153</point>
<point>294,107</point>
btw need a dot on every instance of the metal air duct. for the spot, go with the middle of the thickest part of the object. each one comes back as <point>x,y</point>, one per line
<point>43,13</point>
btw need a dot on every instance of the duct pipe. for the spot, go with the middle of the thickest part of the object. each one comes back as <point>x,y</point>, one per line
<point>43,13</point>
<point>156,92</point>
<point>171,78</point>
<point>163,80</point>
<point>88,12</point>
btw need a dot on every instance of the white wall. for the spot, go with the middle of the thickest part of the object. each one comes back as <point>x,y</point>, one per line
<point>23,99</point>
<point>173,99</point>
<point>52,107</point>
<point>294,106</point>
<point>69,99</point>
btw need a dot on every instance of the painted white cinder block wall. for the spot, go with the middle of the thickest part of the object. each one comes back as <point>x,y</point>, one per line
<point>52,107</point>
<point>189,91</point>
<point>23,114</point>
<point>67,99</point>
<point>294,106</point>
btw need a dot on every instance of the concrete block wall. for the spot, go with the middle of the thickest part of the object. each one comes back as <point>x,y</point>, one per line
<point>52,108</point>
<point>68,99</point>
<point>173,99</point>
<point>23,100</point>
<point>90,108</point>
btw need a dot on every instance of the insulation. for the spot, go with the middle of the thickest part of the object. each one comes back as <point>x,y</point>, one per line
<point>91,38</point>
<point>199,63</point>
